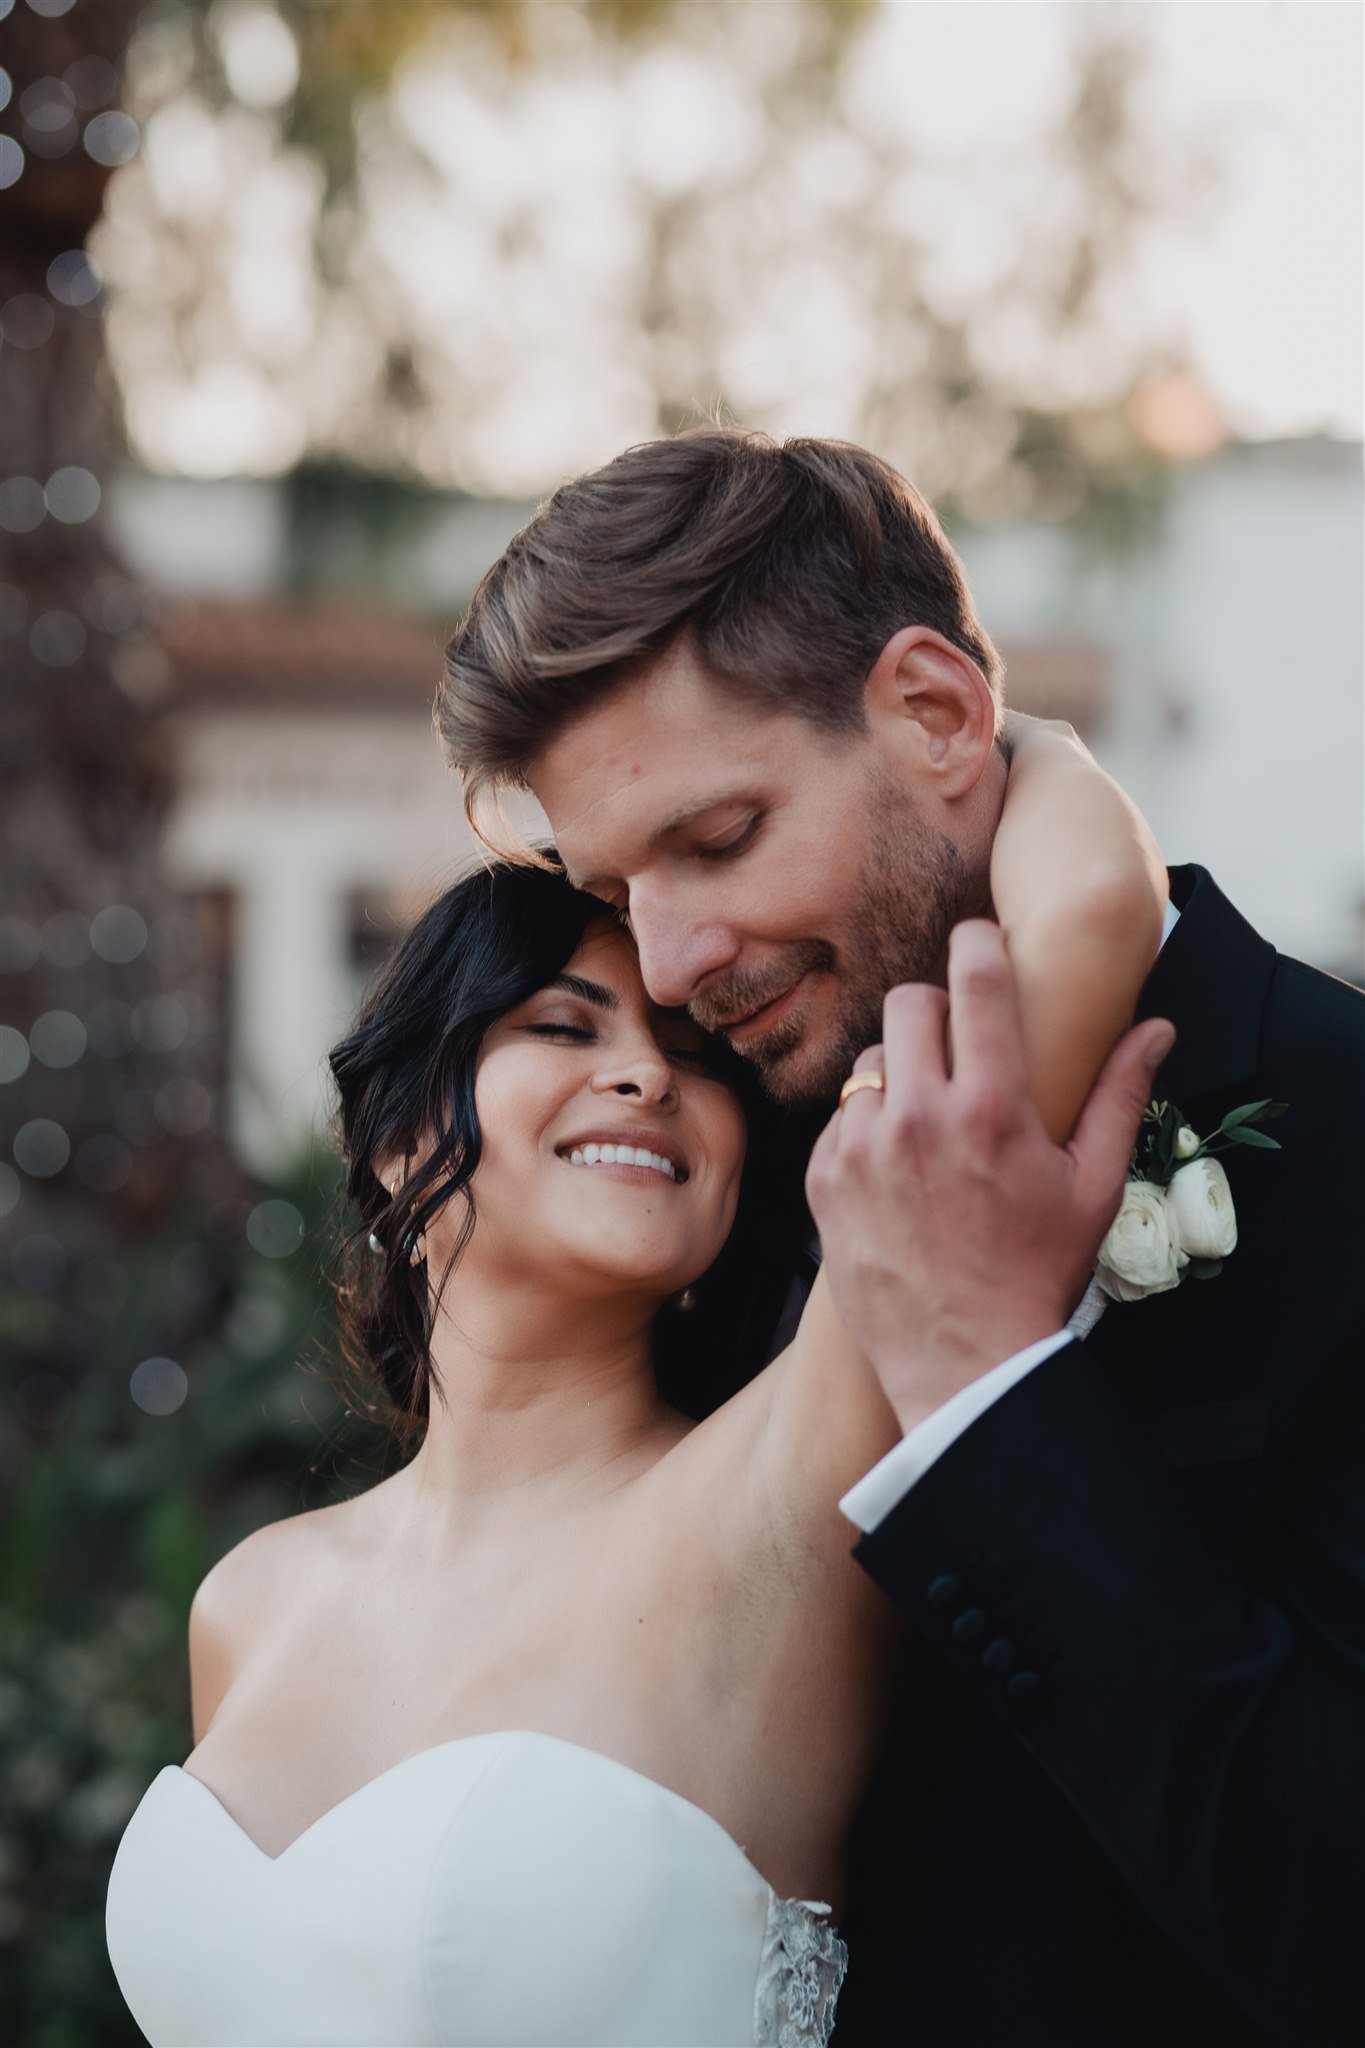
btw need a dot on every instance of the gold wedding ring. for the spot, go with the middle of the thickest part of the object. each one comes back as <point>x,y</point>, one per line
<point>857,1081</point>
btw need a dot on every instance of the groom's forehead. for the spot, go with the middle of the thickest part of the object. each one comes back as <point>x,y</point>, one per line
<point>670,739</point>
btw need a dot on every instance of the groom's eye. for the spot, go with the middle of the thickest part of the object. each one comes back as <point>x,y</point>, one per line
<point>736,843</point>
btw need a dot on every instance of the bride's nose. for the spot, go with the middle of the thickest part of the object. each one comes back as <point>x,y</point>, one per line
<point>641,1070</point>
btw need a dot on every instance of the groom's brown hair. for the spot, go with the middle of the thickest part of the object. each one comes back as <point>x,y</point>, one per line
<point>788,565</point>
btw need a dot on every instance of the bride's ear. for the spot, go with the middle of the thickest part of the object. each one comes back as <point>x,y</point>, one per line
<point>390,1170</point>
<point>930,707</point>
<point>394,1169</point>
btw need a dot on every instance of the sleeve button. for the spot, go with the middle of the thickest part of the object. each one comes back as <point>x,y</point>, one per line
<point>970,1625</point>
<point>1023,1689</point>
<point>944,1592</point>
<point>998,1656</point>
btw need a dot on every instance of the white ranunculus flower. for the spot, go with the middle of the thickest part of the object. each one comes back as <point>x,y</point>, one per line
<point>1142,1253</point>
<point>1200,1201</point>
<point>1186,1142</point>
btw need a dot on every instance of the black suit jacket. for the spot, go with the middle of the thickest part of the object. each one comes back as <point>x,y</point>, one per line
<point>1124,1797</point>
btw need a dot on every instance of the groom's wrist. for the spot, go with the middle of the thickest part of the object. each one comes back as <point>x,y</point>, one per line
<point>921,1379</point>
<point>869,1502</point>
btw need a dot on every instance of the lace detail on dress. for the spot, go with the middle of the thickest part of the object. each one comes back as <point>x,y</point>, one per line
<point>799,1974</point>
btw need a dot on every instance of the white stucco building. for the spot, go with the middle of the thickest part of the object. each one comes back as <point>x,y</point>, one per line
<point>1234,707</point>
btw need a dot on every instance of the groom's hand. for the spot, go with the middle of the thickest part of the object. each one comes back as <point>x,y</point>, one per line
<point>953,1231</point>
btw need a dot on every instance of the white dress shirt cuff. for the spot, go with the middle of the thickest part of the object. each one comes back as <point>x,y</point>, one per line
<point>869,1502</point>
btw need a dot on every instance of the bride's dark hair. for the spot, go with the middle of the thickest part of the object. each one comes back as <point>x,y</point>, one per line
<point>405,1076</point>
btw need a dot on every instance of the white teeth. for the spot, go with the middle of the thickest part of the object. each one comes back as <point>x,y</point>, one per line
<point>621,1155</point>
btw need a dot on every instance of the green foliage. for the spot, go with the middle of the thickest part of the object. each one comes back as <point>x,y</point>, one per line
<point>115,1518</point>
<point>1157,1158</point>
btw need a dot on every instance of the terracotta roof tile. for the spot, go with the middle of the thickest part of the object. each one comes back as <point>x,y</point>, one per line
<point>286,655</point>
<point>344,655</point>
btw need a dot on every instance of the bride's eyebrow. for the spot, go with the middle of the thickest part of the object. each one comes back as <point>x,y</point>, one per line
<point>586,991</point>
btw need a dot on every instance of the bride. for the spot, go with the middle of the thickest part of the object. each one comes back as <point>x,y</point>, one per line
<point>555,1735</point>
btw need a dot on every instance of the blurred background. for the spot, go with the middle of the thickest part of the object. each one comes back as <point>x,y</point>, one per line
<point>303,305</point>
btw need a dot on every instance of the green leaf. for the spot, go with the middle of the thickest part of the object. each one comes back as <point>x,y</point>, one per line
<point>1242,1136</point>
<point>1249,1113</point>
<point>1203,1269</point>
<point>1172,1123</point>
<point>1273,1110</point>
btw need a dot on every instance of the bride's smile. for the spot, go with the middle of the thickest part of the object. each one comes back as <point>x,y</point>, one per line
<point>611,1141</point>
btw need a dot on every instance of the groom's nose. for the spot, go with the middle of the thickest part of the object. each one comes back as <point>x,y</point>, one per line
<point>678,954</point>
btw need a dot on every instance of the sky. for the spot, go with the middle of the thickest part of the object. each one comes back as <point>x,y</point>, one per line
<point>1265,275</point>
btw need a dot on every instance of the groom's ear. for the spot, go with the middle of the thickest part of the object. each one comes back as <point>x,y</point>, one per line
<point>931,708</point>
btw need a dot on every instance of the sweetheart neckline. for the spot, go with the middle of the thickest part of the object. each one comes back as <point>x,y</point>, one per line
<point>459,1742</point>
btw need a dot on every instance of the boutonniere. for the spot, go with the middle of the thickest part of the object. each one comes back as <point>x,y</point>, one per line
<point>1176,1220</point>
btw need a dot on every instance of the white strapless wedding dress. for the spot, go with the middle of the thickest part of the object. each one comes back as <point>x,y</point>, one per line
<point>497,1889</point>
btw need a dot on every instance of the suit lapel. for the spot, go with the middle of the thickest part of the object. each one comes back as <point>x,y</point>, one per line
<point>1211,979</point>
<point>1176,1356</point>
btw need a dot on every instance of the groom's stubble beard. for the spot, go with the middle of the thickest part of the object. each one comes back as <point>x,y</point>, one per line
<point>913,888</point>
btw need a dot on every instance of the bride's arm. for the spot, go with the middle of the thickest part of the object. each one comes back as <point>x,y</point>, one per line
<point>1079,888</point>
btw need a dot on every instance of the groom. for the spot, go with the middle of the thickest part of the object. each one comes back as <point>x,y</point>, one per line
<point>1124,1800</point>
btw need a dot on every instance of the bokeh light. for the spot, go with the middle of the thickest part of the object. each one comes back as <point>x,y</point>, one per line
<point>72,495</point>
<point>158,1386</point>
<point>93,82</point>
<point>41,1147</point>
<point>57,639</point>
<point>58,1038</point>
<point>73,278</point>
<point>112,139</point>
<point>260,56</point>
<point>14,1054</point>
<point>22,504</point>
<point>118,933</point>
<point>26,321</point>
<point>274,1229</point>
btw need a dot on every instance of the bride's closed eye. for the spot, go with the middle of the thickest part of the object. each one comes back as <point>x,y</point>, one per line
<point>581,1032</point>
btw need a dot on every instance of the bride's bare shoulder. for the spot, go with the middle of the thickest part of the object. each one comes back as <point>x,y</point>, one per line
<point>252,1589</point>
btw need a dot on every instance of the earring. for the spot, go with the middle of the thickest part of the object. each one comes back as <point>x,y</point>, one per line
<point>376,1242</point>
<point>687,1299</point>
<point>417,1255</point>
